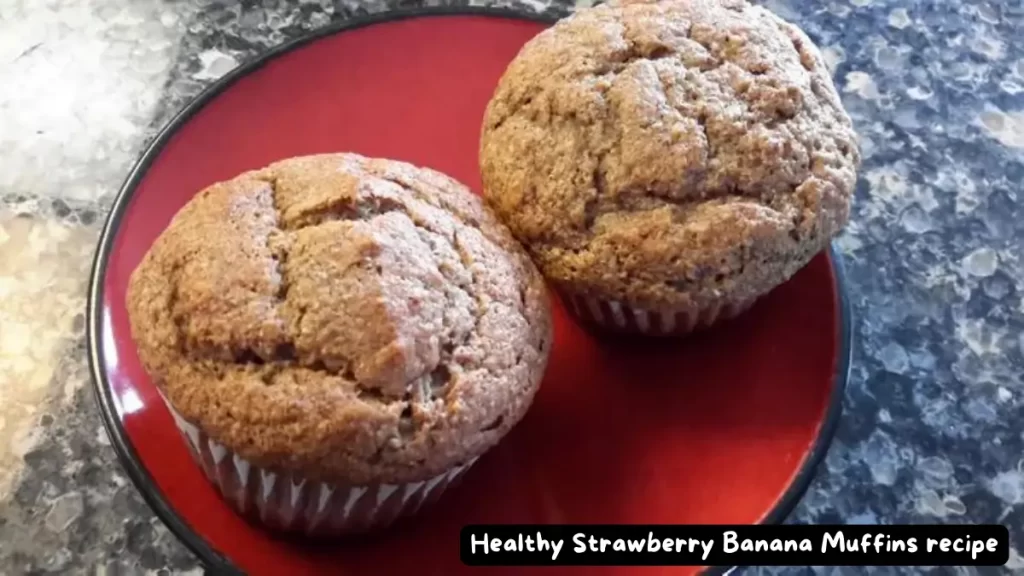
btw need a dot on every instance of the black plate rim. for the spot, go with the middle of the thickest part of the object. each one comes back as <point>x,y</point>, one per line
<point>215,561</point>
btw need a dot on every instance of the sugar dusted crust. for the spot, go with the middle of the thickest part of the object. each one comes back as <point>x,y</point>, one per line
<point>353,320</point>
<point>669,154</point>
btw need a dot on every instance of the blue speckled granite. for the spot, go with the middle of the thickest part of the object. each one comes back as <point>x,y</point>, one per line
<point>934,417</point>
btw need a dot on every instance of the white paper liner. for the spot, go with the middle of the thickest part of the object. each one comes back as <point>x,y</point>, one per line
<point>615,316</point>
<point>287,502</point>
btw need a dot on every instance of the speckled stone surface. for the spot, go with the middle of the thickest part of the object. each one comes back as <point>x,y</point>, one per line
<point>934,416</point>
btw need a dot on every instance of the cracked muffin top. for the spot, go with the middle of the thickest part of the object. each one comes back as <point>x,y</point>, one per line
<point>669,153</point>
<point>354,320</point>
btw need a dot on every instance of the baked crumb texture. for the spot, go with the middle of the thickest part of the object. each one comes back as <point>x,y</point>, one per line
<point>679,158</point>
<point>339,322</point>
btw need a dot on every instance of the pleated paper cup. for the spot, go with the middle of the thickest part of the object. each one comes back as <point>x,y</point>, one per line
<point>288,502</point>
<point>618,317</point>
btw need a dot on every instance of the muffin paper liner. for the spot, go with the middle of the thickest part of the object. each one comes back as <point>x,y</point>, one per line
<point>288,502</point>
<point>614,316</point>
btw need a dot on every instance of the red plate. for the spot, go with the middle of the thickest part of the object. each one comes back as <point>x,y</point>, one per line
<point>725,427</point>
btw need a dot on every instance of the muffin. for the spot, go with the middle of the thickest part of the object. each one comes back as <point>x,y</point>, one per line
<point>667,163</point>
<point>339,338</point>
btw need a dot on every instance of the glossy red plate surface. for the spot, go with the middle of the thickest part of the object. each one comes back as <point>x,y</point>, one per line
<point>725,427</point>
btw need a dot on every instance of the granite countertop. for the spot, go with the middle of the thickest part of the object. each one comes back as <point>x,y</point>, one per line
<point>933,429</point>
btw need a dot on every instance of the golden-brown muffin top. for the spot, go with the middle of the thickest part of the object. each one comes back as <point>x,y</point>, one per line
<point>354,320</point>
<point>669,153</point>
